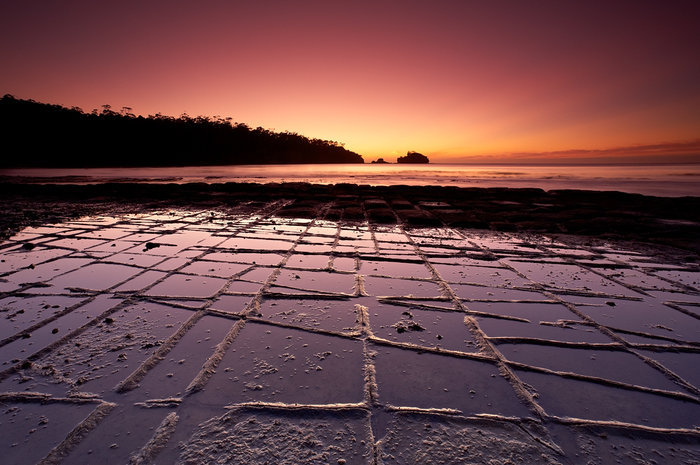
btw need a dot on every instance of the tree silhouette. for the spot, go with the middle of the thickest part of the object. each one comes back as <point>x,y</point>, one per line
<point>42,135</point>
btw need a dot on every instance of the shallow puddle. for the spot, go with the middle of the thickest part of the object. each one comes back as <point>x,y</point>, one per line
<point>46,271</point>
<point>97,277</point>
<point>19,313</point>
<point>175,372</point>
<point>328,315</point>
<point>249,243</point>
<point>422,328</point>
<point>530,311</point>
<point>258,274</point>
<point>595,401</point>
<point>76,243</point>
<point>267,363</point>
<point>616,365</point>
<point>316,262</point>
<point>570,332</point>
<point>234,304</point>
<point>394,269</point>
<point>171,264</point>
<point>495,277</point>
<point>469,292</point>
<point>145,279</point>
<point>688,278</point>
<point>322,281</point>
<point>573,277</point>
<point>118,437</point>
<point>244,287</point>
<point>637,278</point>
<point>648,316</point>
<point>182,285</point>
<point>344,264</point>
<point>135,259</point>
<point>18,257</point>
<point>389,287</point>
<point>102,356</point>
<point>425,380</point>
<point>219,269</point>
<point>270,259</point>
<point>110,234</point>
<point>31,342</point>
<point>317,240</point>
<point>31,429</point>
<point>684,364</point>
<point>681,297</point>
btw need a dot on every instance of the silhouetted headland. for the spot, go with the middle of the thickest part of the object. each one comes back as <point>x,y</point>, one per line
<point>42,135</point>
<point>413,157</point>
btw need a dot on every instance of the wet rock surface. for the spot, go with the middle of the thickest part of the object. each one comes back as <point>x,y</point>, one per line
<point>615,215</point>
<point>249,335</point>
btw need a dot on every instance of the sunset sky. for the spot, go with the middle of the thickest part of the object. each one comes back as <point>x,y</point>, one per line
<point>458,80</point>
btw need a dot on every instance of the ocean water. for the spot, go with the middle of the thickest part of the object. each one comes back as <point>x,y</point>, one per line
<point>659,180</point>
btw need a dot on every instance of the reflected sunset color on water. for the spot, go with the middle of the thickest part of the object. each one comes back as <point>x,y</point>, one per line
<point>659,180</point>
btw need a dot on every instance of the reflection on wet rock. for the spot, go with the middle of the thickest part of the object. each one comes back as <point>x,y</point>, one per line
<point>200,336</point>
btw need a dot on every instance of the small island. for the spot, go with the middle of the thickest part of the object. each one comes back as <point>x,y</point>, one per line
<point>380,161</point>
<point>413,157</point>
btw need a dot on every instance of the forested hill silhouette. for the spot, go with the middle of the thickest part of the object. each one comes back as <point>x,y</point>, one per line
<point>36,134</point>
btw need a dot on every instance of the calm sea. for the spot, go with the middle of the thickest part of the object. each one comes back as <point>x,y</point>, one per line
<point>660,180</point>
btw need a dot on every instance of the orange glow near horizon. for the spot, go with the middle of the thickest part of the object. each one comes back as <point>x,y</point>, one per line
<point>456,80</point>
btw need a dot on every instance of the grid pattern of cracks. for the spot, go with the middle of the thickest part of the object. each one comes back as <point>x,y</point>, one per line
<point>436,324</point>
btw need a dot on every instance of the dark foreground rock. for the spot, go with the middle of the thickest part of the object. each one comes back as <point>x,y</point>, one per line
<point>615,215</point>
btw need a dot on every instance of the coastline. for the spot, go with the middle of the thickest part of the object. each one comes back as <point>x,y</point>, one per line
<point>665,221</point>
<point>274,302</point>
<point>668,180</point>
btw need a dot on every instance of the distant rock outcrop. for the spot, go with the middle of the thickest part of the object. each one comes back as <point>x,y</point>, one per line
<point>380,161</point>
<point>413,157</point>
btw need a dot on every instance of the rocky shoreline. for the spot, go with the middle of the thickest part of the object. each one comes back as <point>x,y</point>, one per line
<point>242,324</point>
<point>666,221</point>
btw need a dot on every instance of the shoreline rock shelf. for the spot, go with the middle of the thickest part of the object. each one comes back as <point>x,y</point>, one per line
<point>661,220</point>
<point>249,334</point>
